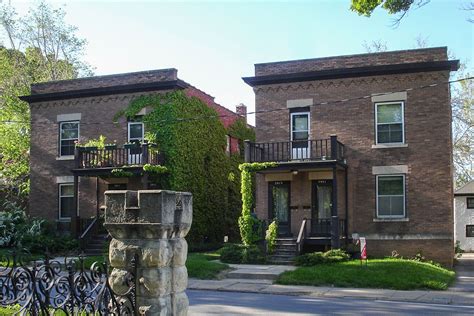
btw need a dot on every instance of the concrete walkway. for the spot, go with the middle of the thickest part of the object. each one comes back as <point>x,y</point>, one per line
<point>259,279</point>
<point>464,274</point>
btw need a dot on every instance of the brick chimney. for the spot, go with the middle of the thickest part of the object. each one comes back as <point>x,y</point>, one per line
<point>241,110</point>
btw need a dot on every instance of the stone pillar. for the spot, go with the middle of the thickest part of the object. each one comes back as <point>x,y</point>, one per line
<point>150,224</point>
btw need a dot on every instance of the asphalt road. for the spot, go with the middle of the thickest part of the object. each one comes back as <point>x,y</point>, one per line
<point>236,303</point>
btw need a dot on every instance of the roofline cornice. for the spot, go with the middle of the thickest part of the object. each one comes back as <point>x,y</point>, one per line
<point>99,91</point>
<point>451,65</point>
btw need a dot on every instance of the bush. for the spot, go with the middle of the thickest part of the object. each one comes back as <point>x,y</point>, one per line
<point>53,244</point>
<point>16,226</point>
<point>271,236</point>
<point>235,253</point>
<point>315,258</point>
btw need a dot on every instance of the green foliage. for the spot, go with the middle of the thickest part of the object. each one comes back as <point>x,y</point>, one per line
<point>366,7</point>
<point>120,173</point>
<point>235,253</point>
<point>48,242</point>
<point>16,228</point>
<point>240,130</point>
<point>271,236</point>
<point>249,225</point>
<point>315,258</point>
<point>195,159</point>
<point>389,273</point>
<point>94,142</point>
<point>42,47</point>
<point>155,169</point>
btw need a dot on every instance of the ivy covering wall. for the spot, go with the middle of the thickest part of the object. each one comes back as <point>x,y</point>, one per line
<point>193,140</point>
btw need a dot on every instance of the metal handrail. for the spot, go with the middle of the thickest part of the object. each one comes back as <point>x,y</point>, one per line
<point>301,236</point>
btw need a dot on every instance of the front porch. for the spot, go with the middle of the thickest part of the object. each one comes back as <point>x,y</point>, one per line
<point>306,191</point>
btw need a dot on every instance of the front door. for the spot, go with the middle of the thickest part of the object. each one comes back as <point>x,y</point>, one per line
<point>279,193</point>
<point>321,208</point>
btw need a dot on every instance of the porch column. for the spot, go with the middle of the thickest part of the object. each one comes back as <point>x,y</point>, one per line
<point>247,150</point>
<point>335,242</point>
<point>75,220</point>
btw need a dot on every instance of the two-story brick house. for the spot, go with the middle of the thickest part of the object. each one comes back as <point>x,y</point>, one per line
<point>363,145</point>
<point>67,185</point>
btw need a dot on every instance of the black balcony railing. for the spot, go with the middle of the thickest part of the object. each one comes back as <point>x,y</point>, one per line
<point>308,150</point>
<point>134,155</point>
<point>322,227</point>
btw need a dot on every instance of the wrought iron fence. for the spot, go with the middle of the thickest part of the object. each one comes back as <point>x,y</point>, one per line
<point>50,287</point>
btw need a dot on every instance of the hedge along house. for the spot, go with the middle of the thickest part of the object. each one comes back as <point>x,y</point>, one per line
<point>363,146</point>
<point>67,183</point>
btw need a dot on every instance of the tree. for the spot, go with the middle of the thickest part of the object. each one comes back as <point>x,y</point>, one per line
<point>40,47</point>
<point>401,7</point>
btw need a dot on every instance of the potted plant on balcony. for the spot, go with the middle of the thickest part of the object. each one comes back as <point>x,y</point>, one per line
<point>111,146</point>
<point>130,145</point>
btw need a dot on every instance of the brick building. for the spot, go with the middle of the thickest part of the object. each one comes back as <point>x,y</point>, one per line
<point>363,145</point>
<point>63,112</point>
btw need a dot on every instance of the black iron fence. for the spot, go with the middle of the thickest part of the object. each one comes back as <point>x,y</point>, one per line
<point>322,227</point>
<point>49,287</point>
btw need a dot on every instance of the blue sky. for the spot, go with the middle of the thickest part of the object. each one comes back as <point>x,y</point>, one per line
<point>214,43</point>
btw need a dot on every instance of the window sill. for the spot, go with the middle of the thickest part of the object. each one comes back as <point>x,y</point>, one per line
<point>394,219</point>
<point>384,146</point>
<point>65,158</point>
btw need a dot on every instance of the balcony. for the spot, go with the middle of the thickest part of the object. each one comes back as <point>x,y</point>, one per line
<point>94,161</point>
<point>329,149</point>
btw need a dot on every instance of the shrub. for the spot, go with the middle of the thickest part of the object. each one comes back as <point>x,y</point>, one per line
<point>314,258</point>
<point>53,244</point>
<point>16,226</point>
<point>231,253</point>
<point>271,236</point>
<point>235,253</point>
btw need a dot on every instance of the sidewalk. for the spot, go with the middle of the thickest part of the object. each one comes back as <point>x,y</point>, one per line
<point>259,279</point>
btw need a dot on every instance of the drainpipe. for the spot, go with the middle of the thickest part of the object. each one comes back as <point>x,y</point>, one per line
<point>335,241</point>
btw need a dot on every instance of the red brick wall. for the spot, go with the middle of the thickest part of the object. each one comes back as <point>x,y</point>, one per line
<point>428,135</point>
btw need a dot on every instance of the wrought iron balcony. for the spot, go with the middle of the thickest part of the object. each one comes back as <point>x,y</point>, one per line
<point>130,155</point>
<point>308,150</point>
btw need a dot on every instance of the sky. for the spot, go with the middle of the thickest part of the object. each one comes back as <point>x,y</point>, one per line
<point>213,44</point>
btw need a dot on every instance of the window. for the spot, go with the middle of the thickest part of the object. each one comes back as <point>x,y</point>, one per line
<point>66,201</point>
<point>135,131</point>
<point>389,123</point>
<point>470,202</point>
<point>300,135</point>
<point>117,186</point>
<point>68,135</point>
<point>469,230</point>
<point>391,196</point>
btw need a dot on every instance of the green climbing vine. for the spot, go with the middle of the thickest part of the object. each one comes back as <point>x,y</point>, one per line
<point>250,228</point>
<point>271,236</point>
<point>193,140</point>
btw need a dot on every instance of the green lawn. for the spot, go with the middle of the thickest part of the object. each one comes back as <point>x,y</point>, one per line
<point>397,274</point>
<point>200,267</point>
<point>5,255</point>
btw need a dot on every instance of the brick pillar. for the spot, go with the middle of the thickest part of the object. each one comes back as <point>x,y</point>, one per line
<point>151,224</point>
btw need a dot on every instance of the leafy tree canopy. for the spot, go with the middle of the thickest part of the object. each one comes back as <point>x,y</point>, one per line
<point>38,47</point>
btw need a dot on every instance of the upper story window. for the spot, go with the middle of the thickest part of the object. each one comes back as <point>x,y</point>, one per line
<point>135,132</point>
<point>389,121</point>
<point>68,135</point>
<point>470,202</point>
<point>300,126</point>
<point>390,196</point>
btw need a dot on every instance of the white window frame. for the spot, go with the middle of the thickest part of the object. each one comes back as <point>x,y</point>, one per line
<point>402,103</point>
<point>128,131</point>
<point>304,154</point>
<point>61,138</point>
<point>60,185</point>
<point>377,195</point>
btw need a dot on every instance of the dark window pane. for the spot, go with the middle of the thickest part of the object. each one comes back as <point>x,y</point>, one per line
<point>136,131</point>
<point>67,207</point>
<point>69,130</point>
<point>392,185</point>
<point>300,135</point>
<point>389,133</point>
<point>470,202</point>
<point>384,206</point>
<point>67,147</point>
<point>300,122</point>
<point>469,230</point>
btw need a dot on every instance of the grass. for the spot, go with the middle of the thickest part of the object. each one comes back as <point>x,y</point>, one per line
<point>6,253</point>
<point>397,274</point>
<point>200,267</point>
